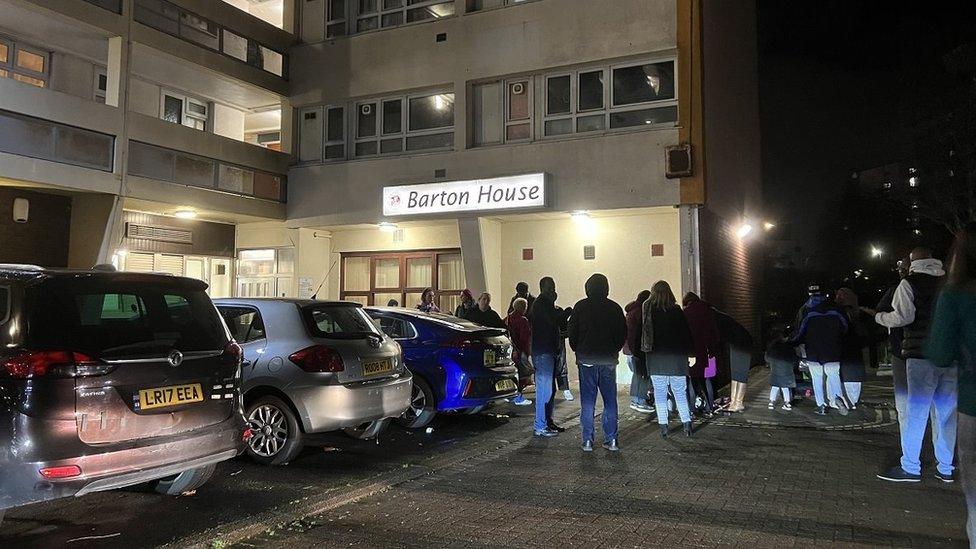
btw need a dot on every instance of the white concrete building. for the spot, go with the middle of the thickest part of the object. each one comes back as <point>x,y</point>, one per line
<point>576,102</point>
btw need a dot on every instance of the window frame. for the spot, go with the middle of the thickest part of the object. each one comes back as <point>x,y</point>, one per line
<point>11,68</point>
<point>185,114</point>
<point>250,326</point>
<point>98,94</point>
<point>609,107</point>
<point>405,132</point>
<point>402,289</point>
<point>409,327</point>
<point>352,16</point>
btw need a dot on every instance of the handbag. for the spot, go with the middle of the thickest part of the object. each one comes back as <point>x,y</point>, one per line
<point>712,369</point>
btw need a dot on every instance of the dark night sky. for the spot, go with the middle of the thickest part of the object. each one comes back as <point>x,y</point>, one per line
<point>836,78</point>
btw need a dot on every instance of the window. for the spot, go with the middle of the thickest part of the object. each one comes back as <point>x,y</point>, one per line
<point>100,85</point>
<point>398,124</point>
<point>265,273</point>
<point>24,63</point>
<point>396,328</point>
<point>245,323</point>
<point>502,111</point>
<point>369,15</point>
<point>182,109</point>
<point>337,321</point>
<point>375,279</point>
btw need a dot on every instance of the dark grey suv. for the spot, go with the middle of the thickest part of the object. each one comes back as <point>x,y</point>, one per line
<point>112,379</point>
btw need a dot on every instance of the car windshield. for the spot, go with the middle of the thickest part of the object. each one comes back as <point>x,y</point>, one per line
<point>338,321</point>
<point>112,319</point>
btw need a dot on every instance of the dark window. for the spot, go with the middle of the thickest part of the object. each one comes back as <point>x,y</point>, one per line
<point>338,321</point>
<point>558,95</point>
<point>432,111</point>
<point>590,90</point>
<point>392,111</point>
<point>245,323</point>
<point>643,83</point>
<point>397,328</point>
<point>121,319</point>
<point>366,127</point>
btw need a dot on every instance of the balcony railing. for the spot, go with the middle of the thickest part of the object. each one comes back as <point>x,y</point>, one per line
<point>110,5</point>
<point>176,21</point>
<point>183,168</point>
<point>38,138</point>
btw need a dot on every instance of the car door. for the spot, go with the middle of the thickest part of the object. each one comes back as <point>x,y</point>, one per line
<point>246,325</point>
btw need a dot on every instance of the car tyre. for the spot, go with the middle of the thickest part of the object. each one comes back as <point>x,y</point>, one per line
<point>277,435</point>
<point>423,406</point>
<point>184,482</point>
<point>368,430</point>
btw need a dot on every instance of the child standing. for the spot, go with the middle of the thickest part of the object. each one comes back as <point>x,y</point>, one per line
<point>782,359</point>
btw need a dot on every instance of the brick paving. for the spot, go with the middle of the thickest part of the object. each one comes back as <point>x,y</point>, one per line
<point>731,485</point>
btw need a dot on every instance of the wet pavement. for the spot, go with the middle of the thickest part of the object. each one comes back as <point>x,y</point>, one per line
<point>764,478</point>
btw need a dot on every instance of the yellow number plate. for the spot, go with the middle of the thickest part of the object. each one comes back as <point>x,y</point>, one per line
<point>505,385</point>
<point>170,396</point>
<point>378,367</point>
<point>489,358</point>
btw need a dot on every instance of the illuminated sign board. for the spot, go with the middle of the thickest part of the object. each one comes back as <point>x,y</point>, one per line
<point>516,192</point>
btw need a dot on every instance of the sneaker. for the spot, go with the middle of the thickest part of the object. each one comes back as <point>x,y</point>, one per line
<point>787,406</point>
<point>587,445</point>
<point>568,395</point>
<point>841,406</point>
<point>556,428</point>
<point>520,400</point>
<point>897,474</point>
<point>641,408</point>
<point>772,405</point>
<point>546,433</point>
<point>948,479</point>
<point>611,445</point>
<point>821,410</point>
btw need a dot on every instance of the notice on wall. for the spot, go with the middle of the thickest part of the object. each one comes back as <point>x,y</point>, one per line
<point>516,192</point>
<point>305,287</point>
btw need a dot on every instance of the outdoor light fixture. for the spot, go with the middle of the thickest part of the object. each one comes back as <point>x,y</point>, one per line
<point>386,226</point>
<point>580,215</point>
<point>744,230</point>
<point>769,226</point>
<point>185,214</point>
<point>876,251</point>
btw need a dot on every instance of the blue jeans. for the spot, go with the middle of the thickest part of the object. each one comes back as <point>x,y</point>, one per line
<point>602,378</point>
<point>927,385</point>
<point>635,386</point>
<point>544,369</point>
<point>679,388</point>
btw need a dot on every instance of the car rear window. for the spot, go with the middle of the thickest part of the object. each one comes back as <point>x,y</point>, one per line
<point>338,321</point>
<point>122,319</point>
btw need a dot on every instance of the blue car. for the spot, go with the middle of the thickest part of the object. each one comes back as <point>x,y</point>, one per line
<point>457,366</point>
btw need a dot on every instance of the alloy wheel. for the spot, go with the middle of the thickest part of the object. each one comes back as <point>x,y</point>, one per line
<point>418,401</point>
<point>269,428</point>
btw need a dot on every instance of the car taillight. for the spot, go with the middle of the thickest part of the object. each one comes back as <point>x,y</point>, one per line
<point>66,471</point>
<point>318,358</point>
<point>31,364</point>
<point>234,351</point>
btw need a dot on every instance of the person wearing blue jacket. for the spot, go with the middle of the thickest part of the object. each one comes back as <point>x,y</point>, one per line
<point>821,326</point>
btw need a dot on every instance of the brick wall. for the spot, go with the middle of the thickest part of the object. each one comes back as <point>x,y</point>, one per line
<point>731,273</point>
<point>43,240</point>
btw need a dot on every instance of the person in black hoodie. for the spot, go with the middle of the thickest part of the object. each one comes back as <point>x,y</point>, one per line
<point>483,313</point>
<point>597,331</point>
<point>821,329</point>
<point>545,318</point>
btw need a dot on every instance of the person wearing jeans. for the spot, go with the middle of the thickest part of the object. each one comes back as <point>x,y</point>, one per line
<point>834,388</point>
<point>600,378</point>
<point>544,320</point>
<point>913,308</point>
<point>667,342</point>
<point>544,368</point>
<point>597,331</point>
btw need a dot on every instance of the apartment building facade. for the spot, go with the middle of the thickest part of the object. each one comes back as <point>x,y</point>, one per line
<point>448,144</point>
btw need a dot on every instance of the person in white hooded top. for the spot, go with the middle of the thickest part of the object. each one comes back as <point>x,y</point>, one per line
<point>914,304</point>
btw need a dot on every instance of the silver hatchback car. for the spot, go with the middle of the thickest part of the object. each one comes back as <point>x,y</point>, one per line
<point>311,367</point>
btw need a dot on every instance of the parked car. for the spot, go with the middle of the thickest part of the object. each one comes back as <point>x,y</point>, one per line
<point>457,365</point>
<point>112,379</point>
<point>311,367</point>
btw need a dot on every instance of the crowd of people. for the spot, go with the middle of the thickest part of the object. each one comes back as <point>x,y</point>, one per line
<point>674,352</point>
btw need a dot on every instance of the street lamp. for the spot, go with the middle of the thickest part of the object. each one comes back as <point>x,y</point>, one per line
<point>876,252</point>
<point>744,230</point>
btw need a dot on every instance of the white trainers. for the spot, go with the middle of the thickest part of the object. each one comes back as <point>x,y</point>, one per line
<point>568,395</point>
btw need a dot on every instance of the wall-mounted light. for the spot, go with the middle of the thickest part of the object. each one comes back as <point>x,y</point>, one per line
<point>580,215</point>
<point>21,210</point>
<point>876,251</point>
<point>185,213</point>
<point>768,225</point>
<point>386,226</point>
<point>743,230</point>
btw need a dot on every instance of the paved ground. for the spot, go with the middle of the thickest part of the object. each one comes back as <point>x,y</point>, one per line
<point>760,479</point>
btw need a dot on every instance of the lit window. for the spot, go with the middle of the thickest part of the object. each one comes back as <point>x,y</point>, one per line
<point>398,124</point>
<point>368,15</point>
<point>180,109</point>
<point>24,63</point>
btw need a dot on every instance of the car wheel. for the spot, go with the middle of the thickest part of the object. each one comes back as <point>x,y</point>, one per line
<point>422,408</point>
<point>277,435</point>
<point>184,482</point>
<point>367,431</point>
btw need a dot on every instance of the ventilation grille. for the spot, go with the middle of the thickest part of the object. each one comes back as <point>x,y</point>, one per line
<point>159,234</point>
